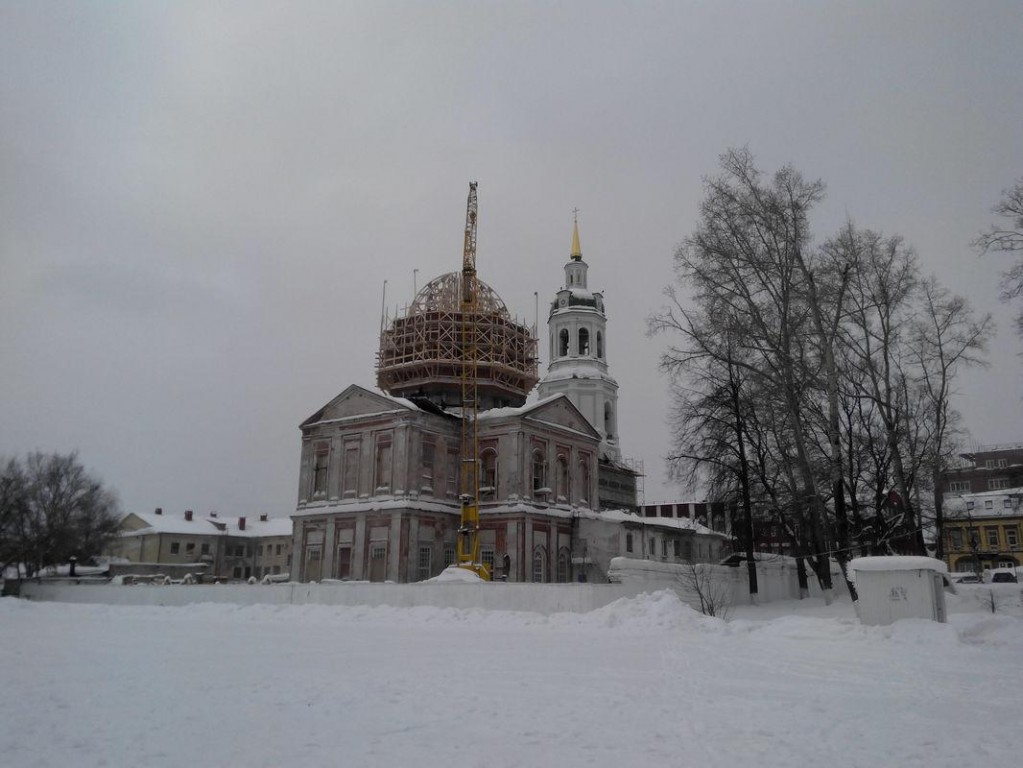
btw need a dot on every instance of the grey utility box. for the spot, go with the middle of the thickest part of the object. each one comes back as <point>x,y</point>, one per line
<point>899,587</point>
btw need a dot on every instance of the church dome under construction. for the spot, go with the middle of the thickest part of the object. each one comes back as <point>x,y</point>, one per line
<point>423,350</point>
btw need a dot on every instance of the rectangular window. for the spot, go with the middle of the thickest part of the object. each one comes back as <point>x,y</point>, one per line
<point>992,537</point>
<point>237,572</point>
<point>278,549</point>
<point>678,548</point>
<point>487,557</point>
<point>989,504</point>
<point>1007,503</point>
<point>343,563</point>
<point>539,472</point>
<point>997,483</point>
<point>989,464</point>
<point>653,547</point>
<point>426,474</point>
<point>1012,536</point>
<point>205,548</point>
<point>320,469</point>
<point>425,563</point>
<point>449,556</point>
<point>955,538</point>
<point>664,547</point>
<point>970,505</point>
<point>190,547</point>
<point>959,485</point>
<point>452,478</point>
<point>1003,463</point>
<point>628,542</point>
<point>383,464</point>
<point>350,480</point>
<point>175,547</point>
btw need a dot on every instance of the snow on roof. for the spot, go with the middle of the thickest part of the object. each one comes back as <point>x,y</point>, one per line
<point>211,526</point>
<point>500,413</point>
<point>898,563</point>
<point>376,505</point>
<point>559,372</point>
<point>623,516</point>
<point>173,524</point>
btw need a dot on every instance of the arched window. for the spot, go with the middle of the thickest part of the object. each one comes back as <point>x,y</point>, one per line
<point>600,345</point>
<point>539,564</point>
<point>539,472</point>
<point>564,565</point>
<point>488,474</point>
<point>584,341</point>
<point>609,421</point>
<point>562,479</point>
<point>563,343</point>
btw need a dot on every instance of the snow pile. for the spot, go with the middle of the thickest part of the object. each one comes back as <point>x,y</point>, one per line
<point>454,574</point>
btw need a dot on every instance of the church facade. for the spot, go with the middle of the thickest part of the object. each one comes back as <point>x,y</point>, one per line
<point>378,489</point>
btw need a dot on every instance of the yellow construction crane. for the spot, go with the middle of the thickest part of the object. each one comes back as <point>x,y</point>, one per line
<point>469,489</point>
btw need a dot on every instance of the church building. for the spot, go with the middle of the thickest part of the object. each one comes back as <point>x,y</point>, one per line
<point>379,489</point>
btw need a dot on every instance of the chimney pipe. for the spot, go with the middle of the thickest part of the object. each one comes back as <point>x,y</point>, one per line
<point>262,518</point>
<point>159,510</point>
<point>213,514</point>
<point>188,515</point>
<point>241,523</point>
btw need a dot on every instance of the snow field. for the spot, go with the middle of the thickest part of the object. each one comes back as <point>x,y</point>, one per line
<point>642,681</point>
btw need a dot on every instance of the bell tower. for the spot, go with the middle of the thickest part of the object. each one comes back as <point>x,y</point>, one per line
<point>577,329</point>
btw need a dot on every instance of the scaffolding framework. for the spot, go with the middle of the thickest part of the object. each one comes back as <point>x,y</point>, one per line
<point>422,350</point>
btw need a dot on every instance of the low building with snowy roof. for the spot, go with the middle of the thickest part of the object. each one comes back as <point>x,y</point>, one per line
<point>221,547</point>
<point>982,530</point>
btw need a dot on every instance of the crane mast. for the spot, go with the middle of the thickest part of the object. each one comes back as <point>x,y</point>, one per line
<point>469,486</point>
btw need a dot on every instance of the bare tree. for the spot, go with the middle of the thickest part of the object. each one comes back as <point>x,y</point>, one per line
<point>751,268</point>
<point>1010,239</point>
<point>946,336</point>
<point>707,586</point>
<point>52,509</point>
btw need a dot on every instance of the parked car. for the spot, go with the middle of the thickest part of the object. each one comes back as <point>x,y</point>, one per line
<point>1003,577</point>
<point>965,578</point>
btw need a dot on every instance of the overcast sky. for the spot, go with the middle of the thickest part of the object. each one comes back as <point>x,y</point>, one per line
<point>200,202</point>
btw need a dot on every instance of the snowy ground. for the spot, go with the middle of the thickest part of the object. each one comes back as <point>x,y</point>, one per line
<point>640,682</point>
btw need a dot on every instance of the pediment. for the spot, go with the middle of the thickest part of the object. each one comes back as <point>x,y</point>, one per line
<point>559,411</point>
<point>356,401</point>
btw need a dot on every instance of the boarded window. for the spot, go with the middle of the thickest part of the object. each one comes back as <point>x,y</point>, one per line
<point>488,484</point>
<point>350,481</point>
<point>383,464</point>
<point>563,486</point>
<point>320,469</point>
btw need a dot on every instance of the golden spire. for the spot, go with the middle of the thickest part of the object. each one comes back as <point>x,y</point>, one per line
<point>577,252</point>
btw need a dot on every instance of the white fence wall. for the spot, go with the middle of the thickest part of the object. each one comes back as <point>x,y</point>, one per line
<point>775,580</point>
<point>538,598</point>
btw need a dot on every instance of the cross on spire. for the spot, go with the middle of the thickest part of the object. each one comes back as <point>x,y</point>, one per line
<point>577,251</point>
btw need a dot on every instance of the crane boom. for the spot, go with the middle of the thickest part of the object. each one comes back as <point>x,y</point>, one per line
<point>469,486</point>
